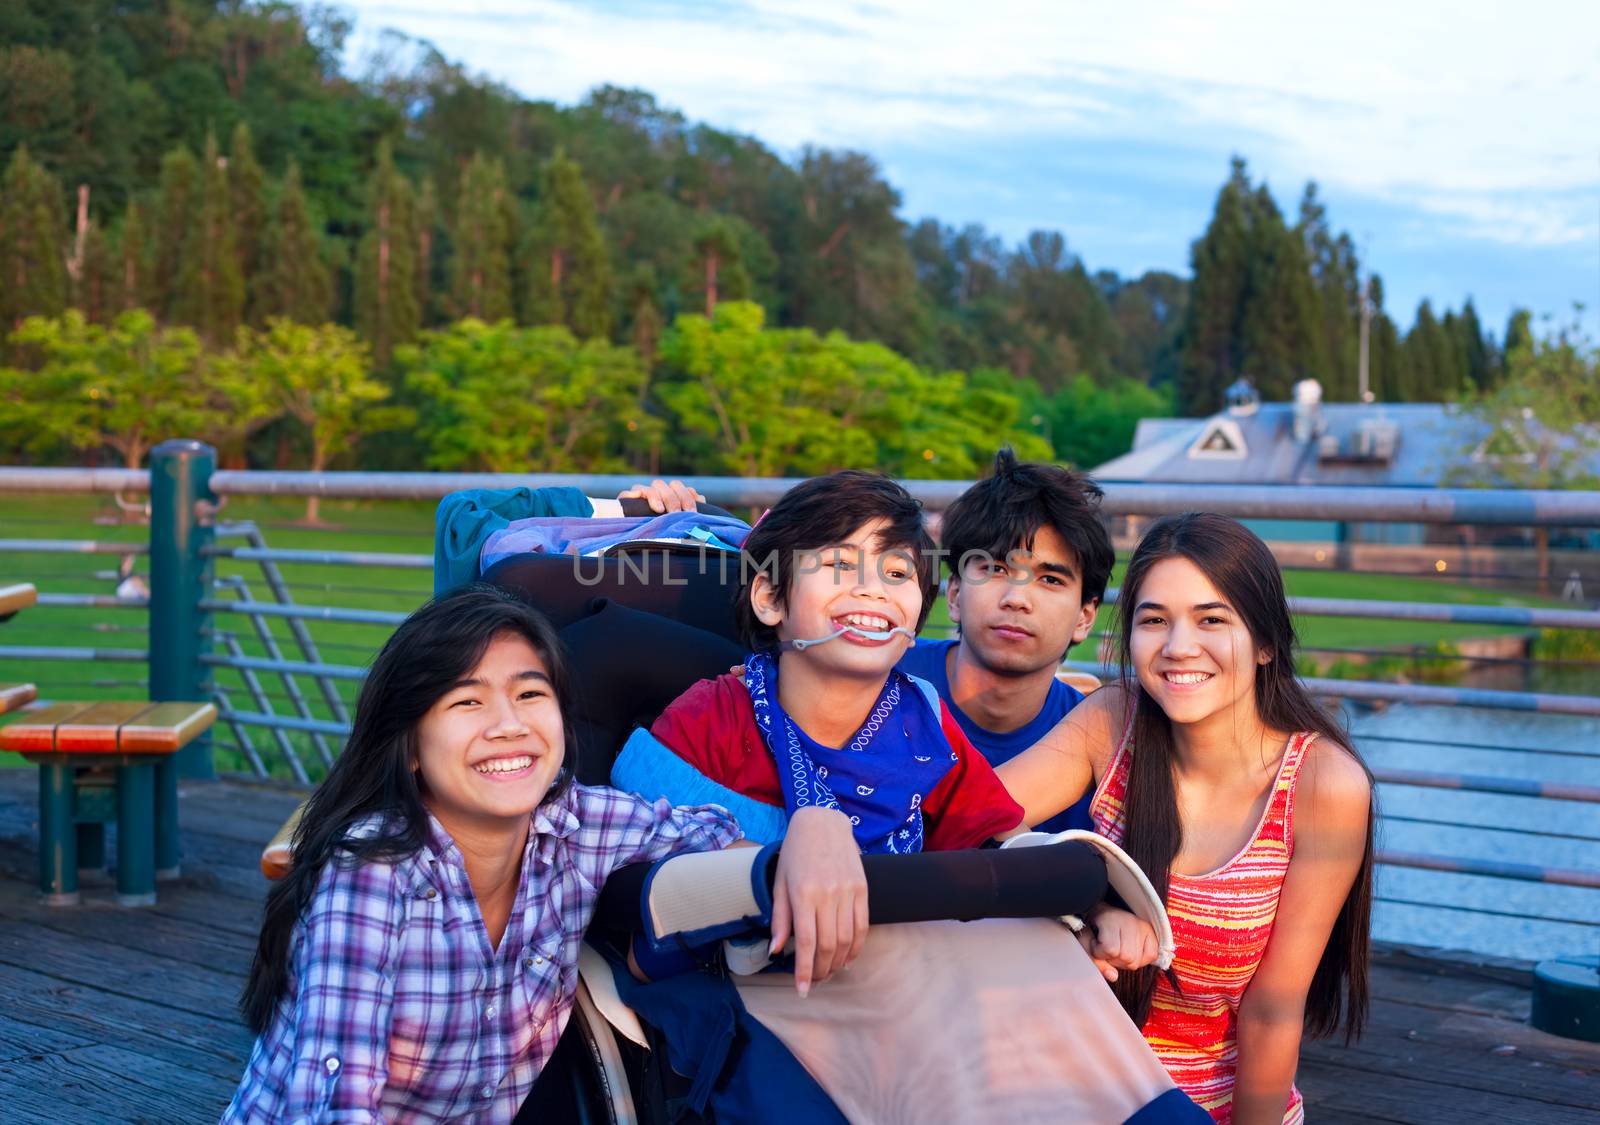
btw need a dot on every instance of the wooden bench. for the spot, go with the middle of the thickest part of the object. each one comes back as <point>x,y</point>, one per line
<point>16,597</point>
<point>14,697</point>
<point>107,762</point>
<point>278,856</point>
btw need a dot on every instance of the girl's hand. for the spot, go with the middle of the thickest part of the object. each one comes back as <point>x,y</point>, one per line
<point>820,894</point>
<point>1116,939</point>
<point>665,496</point>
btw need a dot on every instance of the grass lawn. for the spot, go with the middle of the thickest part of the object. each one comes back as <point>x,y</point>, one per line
<point>407,528</point>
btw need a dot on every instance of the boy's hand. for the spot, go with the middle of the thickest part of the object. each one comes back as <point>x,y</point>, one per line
<point>665,496</point>
<point>820,892</point>
<point>1116,939</point>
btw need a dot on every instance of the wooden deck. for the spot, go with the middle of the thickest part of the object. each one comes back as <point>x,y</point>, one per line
<point>128,1015</point>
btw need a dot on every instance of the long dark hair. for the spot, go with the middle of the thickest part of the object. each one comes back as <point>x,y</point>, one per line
<point>434,648</point>
<point>1242,568</point>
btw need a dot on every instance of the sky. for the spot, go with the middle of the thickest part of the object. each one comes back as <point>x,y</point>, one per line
<point>1458,143</point>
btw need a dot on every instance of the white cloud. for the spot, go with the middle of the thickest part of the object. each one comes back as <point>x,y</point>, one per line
<point>1483,114</point>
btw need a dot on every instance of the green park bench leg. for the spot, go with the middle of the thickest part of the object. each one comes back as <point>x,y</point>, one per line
<point>58,836</point>
<point>91,846</point>
<point>166,803</point>
<point>136,835</point>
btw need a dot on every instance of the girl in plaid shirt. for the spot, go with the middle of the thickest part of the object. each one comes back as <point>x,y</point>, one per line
<point>420,960</point>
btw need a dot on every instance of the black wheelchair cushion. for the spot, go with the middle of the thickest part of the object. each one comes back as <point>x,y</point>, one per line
<point>627,666</point>
<point>692,587</point>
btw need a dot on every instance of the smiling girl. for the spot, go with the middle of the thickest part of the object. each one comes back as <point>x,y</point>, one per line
<point>420,961</point>
<point>1243,802</point>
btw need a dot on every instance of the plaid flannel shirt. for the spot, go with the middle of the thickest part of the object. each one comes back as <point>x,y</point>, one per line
<point>399,1008</point>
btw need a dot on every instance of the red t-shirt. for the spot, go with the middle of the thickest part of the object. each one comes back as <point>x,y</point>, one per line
<point>713,727</point>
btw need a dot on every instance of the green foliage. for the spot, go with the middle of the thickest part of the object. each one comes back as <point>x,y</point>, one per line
<point>772,402</point>
<point>1253,311</point>
<point>1567,644</point>
<point>248,214</point>
<point>385,282</point>
<point>569,269</point>
<point>32,229</point>
<point>636,215</point>
<point>168,242</point>
<point>123,387</point>
<point>1542,420</point>
<point>294,281</point>
<point>318,376</point>
<point>500,398</point>
<point>1090,423</point>
<point>210,289</point>
<point>480,265</point>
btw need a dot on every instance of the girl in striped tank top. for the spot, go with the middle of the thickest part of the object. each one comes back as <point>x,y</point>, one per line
<point>1244,804</point>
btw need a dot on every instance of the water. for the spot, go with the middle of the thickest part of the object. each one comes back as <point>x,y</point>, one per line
<point>1485,826</point>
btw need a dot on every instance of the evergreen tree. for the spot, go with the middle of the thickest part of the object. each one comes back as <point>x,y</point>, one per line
<point>1427,356</point>
<point>427,224</point>
<point>569,272</point>
<point>247,189</point>
<point>1209,340</point>
<point>133,265</point>
<point>294,281</point>
<point>1477,349</point>
<point>210,291</point>
<point>1389,378</point>
<point>719,273</point>
<point>1519,332</point>
<point>179,190</point>
<point>94,288</point>
<point>480,263</point>
<point>1335,275</point>
<point>385,281</point>
<point>1280,341</point>
<point>33,277</point>
<point>644,314</point>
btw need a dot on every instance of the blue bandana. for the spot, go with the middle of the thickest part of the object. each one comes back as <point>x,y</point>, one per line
<point>898,756</point>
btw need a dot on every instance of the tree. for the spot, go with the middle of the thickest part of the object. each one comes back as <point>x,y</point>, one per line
<point>247,214</point>
<point>772,402</point>
<point>1253,311</point>
<point>317,375</point>
<point>721,274</point>
<point>1475,348</point>
<point>33,278</point>
<point>847,265</point>
<point>124,386</point>
<point>480,265</point>
<point>503,398</point>
<point>385,281</point>
<point>1091,423</point>
<point>294,281</point>
<point>569,270</point>
<point>1542,423</point>
<point>133,282</point>
<point>1209,341</point>
<point>175,206</point>
<point>1336,278</point>
<point>643,313</point>
<point>1428,358</point>
<point>427,223</point>
<point>210,291</point>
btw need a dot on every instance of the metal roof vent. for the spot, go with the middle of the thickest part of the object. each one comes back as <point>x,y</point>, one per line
<point>1242,398</point>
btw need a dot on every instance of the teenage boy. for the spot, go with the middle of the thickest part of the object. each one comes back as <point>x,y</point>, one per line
<point>1029,560</point>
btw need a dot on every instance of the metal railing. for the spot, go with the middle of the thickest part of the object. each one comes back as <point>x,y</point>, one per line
<point>259,651</point>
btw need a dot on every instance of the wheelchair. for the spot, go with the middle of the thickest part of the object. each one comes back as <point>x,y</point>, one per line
<point>642,624</point>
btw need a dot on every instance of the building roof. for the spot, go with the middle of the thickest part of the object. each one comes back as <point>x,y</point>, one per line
<point>1406,445</point>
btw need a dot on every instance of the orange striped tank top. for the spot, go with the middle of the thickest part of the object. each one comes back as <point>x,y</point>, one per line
<point>1220,924</point>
